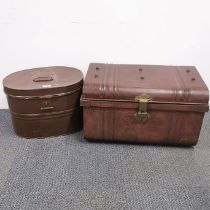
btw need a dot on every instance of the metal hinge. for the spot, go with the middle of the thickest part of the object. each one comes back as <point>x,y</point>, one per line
<point>142,116</point>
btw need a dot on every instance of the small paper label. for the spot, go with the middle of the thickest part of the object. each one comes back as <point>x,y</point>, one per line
<point>46,86</point>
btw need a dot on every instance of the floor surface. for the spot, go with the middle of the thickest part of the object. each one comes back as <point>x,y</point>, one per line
<point>67,172</point>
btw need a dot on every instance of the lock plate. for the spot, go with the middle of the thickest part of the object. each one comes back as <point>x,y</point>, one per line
<point>142,116</point>
<point>46,104</point>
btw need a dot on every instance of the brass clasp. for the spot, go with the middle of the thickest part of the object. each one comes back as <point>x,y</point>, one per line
<point>142,116</point>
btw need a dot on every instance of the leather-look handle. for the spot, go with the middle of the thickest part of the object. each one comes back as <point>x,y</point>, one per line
<point>43,79</point>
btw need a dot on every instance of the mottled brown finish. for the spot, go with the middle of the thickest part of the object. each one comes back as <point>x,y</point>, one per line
<point>45,101</point>
<point>179,98</point>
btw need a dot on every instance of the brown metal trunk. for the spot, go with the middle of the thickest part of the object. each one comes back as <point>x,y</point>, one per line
<point>144,103</point>
<point>45,101</point>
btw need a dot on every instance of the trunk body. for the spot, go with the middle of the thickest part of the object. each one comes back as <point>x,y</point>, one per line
<point>145,104</point>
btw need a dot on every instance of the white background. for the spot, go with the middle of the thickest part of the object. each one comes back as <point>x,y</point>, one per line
<point>35,33</point>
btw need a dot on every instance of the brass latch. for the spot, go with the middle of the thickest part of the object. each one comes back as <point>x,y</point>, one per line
<point>142,116</point>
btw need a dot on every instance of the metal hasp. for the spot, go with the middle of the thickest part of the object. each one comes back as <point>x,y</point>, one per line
<point>142,116</point>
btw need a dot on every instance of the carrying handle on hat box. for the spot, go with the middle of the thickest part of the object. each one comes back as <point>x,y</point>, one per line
<point>43,79</point>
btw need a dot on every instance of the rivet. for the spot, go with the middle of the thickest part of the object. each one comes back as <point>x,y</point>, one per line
<point>96,75</point>
<point>193,79</point>
<point>140,69</point>
<point>188,71</point>
<point>141,77</point>
<point>97,68</point>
